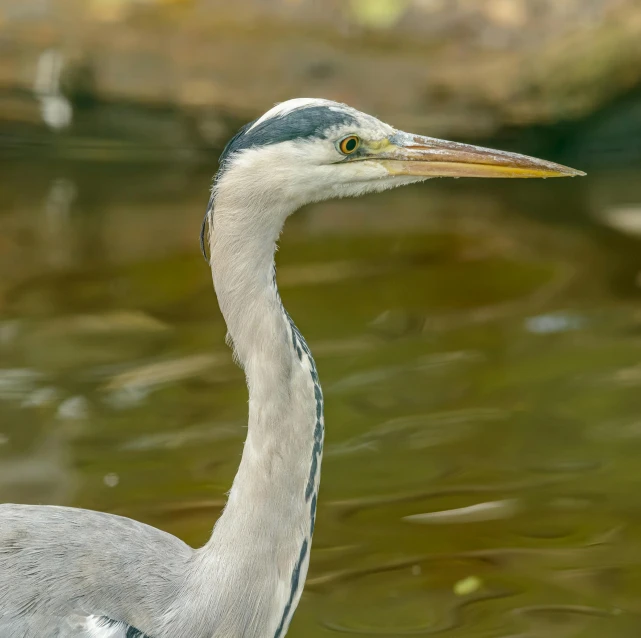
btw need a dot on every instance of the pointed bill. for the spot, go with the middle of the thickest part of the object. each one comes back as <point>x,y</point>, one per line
<point>409,154</point>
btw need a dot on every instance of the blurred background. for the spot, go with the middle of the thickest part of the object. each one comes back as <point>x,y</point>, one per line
<point>479,342</point>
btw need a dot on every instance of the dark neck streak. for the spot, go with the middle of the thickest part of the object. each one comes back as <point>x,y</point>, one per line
<point>311,491</point>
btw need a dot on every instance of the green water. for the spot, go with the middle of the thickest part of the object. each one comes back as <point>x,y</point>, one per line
<point>479,344</point>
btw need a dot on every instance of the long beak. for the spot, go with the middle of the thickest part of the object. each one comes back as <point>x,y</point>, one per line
<point>409,154</point>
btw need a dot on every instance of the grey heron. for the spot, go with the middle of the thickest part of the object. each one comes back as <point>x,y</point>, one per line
<point>67,572</point>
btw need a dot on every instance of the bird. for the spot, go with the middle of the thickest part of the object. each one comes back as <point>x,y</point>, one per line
<point>75,573</point>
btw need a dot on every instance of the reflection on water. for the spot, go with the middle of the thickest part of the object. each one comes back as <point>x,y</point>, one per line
<point>479,344</point>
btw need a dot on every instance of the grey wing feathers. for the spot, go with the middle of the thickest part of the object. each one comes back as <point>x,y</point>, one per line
<point>73,626</point>
<point>72,573</point>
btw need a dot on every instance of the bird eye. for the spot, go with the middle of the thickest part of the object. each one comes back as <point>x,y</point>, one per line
<point>349,144</point>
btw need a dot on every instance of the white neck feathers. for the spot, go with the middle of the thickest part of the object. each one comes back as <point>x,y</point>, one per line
<point>270,513</point>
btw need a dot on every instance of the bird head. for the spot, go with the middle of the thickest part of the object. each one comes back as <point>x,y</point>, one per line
<point>307,150</point>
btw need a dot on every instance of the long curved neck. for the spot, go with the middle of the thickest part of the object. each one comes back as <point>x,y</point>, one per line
<point>268,522</point>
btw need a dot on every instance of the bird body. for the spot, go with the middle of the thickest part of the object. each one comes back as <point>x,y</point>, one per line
<point>42,594</point>
<point>72,573</point>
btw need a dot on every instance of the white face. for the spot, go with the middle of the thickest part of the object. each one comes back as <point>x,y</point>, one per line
<point>313,169</point>
<point>352,154</point>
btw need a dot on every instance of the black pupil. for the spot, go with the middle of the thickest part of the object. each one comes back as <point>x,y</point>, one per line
<point>350,144</point>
